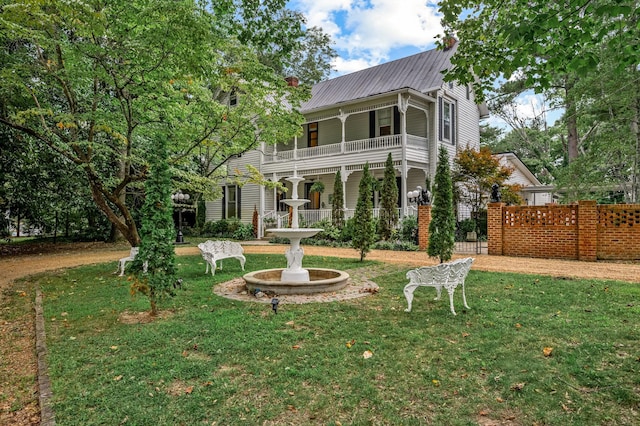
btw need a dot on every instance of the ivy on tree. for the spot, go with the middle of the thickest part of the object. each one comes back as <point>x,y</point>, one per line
<point>364,227</point>
<point>442,228</point>
<point>337,207</point>
<point>154,265</point>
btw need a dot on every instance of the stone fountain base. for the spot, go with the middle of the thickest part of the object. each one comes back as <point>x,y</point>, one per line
<point>321,280</point>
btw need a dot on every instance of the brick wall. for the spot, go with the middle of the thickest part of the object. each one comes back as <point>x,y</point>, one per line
<point>583,231</point>
<point>424,218</point>
<point>618,232</point>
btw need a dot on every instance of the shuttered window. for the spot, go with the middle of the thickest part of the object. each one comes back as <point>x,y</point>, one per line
<point>231,202</point>
<point>446,121</point>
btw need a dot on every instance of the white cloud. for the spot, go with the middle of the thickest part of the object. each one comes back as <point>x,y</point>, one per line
<point>346,66</point>
<point>368,32</point>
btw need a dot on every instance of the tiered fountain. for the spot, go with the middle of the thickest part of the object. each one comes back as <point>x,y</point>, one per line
<point>295,279</point>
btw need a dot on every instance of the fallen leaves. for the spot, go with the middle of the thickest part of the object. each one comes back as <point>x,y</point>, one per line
<point>367,354</point>
<point>547,351</point>
<point>517,386</point>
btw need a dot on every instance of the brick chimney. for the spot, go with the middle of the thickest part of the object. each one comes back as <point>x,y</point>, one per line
<point>449,42</point>
<point>292,81</point>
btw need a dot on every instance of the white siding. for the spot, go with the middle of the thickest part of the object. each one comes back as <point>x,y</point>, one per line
<point>357,127</point>
<point>467,115</point>
<point>329,132</point>
<point>250,199</point>
<point>214,210</point>
<point>416,124</point>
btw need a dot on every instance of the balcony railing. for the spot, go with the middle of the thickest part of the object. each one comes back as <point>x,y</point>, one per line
<point>362,145</point>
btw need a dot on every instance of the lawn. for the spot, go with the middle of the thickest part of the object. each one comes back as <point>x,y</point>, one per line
<point>532,350</point>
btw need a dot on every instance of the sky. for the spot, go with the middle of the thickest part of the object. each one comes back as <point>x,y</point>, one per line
<point>370,32</point>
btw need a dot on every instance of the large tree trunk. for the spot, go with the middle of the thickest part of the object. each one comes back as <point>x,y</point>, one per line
<point>635,174</point>
<point>126,226</point>
<point>572,121</point>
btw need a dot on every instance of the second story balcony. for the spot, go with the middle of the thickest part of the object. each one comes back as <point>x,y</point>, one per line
<point>381,144</point>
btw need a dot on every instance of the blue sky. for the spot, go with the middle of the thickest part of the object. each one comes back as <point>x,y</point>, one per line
<point>370,32</point>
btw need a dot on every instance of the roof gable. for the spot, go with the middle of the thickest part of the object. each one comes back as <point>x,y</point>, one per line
<point>420,72</point>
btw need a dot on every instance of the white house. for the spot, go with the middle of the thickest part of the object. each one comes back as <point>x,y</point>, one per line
<point>401,107</point>
<point>533,192</point>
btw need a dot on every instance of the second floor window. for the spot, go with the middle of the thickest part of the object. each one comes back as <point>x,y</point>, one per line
<point>312,134</point>
<point>384,122</point>
<point>447,121</point>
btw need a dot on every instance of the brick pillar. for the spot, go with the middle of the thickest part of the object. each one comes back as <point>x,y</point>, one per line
<point>424,219</point>
<point>494,228</point>
<point>587,230</point>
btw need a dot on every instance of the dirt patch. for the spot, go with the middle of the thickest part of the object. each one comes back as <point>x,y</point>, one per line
<point>127,317</point>
<point>357,286</point>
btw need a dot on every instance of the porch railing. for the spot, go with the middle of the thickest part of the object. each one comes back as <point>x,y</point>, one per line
<point>373,144</point>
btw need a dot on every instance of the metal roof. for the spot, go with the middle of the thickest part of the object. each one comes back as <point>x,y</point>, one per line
<point>420,72</point>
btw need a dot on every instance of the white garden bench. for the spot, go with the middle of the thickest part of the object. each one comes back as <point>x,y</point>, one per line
<point>447,275</point>
<point>212,251</point>
<point>123,262</point>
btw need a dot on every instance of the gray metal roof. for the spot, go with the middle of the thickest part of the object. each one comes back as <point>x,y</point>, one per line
<point>420,72</point>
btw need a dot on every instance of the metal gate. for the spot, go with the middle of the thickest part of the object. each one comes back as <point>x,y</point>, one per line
<point>471,235</point>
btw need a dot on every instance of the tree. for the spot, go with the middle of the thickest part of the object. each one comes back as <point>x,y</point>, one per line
<point>475,172</point>
<point>364,232</point>
<point>155,263</point>
<point>389,202</point>
<point>537,38</point>
<point>442,228</point>
<point>98,83</point>
<point>546,44</point>
<point>337,204</point>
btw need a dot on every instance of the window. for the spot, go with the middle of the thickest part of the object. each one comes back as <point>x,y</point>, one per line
<point>233,99</point>
<point>447,121</point>
<point>312,135</point>
<point>384,122</point>
<point>231,203</point>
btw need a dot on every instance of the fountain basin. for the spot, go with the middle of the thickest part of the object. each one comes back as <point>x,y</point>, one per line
<point>321,280</point>
<point>294,233</point>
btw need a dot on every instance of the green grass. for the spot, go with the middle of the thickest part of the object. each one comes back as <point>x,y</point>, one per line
<point>230,362</point>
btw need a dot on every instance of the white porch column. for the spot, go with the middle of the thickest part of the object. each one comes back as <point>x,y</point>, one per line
<point>403,105</point>
<point>295,147</point>
<point>343,120</point>
<point>345,177</point>
<point>433,146</point>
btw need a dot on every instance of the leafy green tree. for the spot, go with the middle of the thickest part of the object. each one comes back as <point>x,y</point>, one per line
<point>389,202</point>
<point>442,228</point>
<point>538,38</point>
<point>337,204</point>
<point>475,172</point>
<point>97,82</point>
<point>546,44</point>
<point>155,263</point>
<point>364,232</point>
